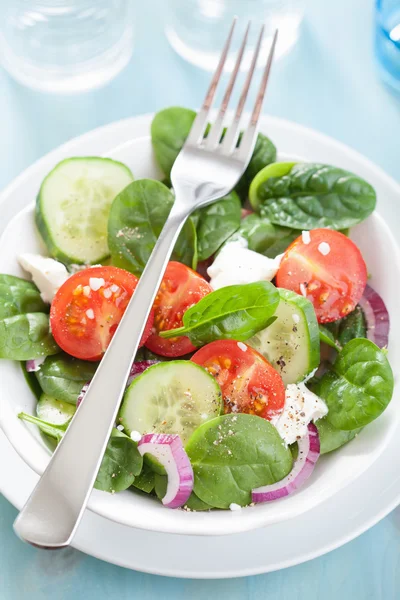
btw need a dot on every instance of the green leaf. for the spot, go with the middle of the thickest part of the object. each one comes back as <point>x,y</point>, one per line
<point>31,381</point>
<point>216,223</point>
<point>54,431</point>
<point>233,454</point>
<point>63,376</point>
<point>169,130</point>
<point>331,438</point>
<point>233,312</point>
<point>121,463</point>
<point>160,485</point>
<point>359,386</point>
<point>26,336</point>
<point>327,337</point>
<point>194,503</point>
<point>18,296</point>
<point>310,195</point>
<point>137,216</point>
<point>145,481</point>
<point>348,328</point>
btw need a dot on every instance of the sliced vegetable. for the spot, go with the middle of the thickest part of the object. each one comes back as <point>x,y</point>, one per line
<point>73,205</point>
<point>327,268</point>
<point>18,296</point>
<point>173,397</point>
<point>216,223</point>
<point>180,289</point>
<point>376,316</point>
<point>359,387</point>
<point>31,381</point>
<point>137,217</point>
<point>54,411</point>
<point>232,455</point>
<point>63,376</point>
<point>235,311</point>
<point>331,438</point>
<point>248,382</point>
<point>26,336</point>
<point>168,451</point>
<point>308,454</point>
<point>291,343</point>
<point>87,309</point>
<point>34,365</point>
<point>310,195</point>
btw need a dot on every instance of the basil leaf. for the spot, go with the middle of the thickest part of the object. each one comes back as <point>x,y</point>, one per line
<point>121,463</point>
<point>348,328</point>
<point>359,386</point>
<point>63,376</point>
<point>169,130</point>
<point>233,312</point>
<point>26,336</point>
<point>311,195</point>
<point>233,454</point>
<point>137,216</point>
<point>331,438</point>
<point>327,337</point>
<point>18,296</point>
<point>216,223</point>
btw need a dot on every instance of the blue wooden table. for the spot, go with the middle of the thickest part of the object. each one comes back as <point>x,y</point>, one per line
<point>328,82</point>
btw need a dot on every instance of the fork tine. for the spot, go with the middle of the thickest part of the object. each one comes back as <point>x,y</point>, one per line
<point>200,122</point>
<point>215,133</point>
<point>232,133</point>
<point>248,140</point>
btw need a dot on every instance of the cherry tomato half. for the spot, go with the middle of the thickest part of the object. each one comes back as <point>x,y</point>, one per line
<point>248,382</point>
<point>180,288</point>
<point>87,309</point>
<point>326,267</point>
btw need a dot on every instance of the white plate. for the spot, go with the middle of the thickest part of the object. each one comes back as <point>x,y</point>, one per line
<point>189,552</point>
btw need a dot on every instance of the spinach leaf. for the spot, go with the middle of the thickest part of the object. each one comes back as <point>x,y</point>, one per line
<point>264,153</point>
<point>169,130</point>
<point>348,328</point>
<point>137,216</point>
<point>263,236</point>
<point>145,481</point>
<point>311,195</point>
<point>63,376</point>
<point>26,336</point>
<point>160,485</point>
<point>233,454</point>
<point>358,387</point>
<point>194,503</point>
<point>18,296</point>
<point>233,312</point>
<point>121,463</point>
<point>31,381</point>
<point>216,223</point>
<point>327,337</point>
<point>331,438</point>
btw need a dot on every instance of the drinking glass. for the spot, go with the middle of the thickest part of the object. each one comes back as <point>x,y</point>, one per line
<point>65,46</point>
<point>387,41</point>
<point>195,28</point>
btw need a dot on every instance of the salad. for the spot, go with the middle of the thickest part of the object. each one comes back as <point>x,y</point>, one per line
<point>265,347</point>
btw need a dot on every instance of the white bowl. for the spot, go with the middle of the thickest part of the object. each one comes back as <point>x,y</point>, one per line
<point>333,472</point>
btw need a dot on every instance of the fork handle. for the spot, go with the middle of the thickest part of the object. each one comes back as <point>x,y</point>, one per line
<point>52,513</point>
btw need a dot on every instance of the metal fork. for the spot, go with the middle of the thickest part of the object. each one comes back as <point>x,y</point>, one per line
<point>206,169</point>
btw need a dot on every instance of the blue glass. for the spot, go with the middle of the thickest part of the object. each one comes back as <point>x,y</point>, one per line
<point>387,41</point>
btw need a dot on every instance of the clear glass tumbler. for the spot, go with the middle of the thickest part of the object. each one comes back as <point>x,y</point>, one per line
<point>196,28</point>
<point>387,41</point>
<point>65,46</point>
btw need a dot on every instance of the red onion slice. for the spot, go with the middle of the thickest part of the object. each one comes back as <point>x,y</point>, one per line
<point>136,370</point>
<point>34,364</point>
<point>168,450</point>
<point>376,316</point>
<point>309,451</point>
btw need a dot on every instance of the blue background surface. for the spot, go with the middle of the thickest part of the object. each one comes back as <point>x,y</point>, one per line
<point>328,82</point>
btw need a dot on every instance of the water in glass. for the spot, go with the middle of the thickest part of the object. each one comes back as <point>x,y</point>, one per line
<point>387,41</point>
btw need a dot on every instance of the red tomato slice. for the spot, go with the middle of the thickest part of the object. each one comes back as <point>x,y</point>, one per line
<point>87,309</point>
<point>180,288</point>
<point>329,270</point>
<point>248,382</point>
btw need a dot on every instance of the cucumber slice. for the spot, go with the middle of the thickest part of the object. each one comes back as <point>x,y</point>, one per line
<point>171,397</point>
<point>54,411</point>
<point>73,204</point>
<point>291,344</point>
